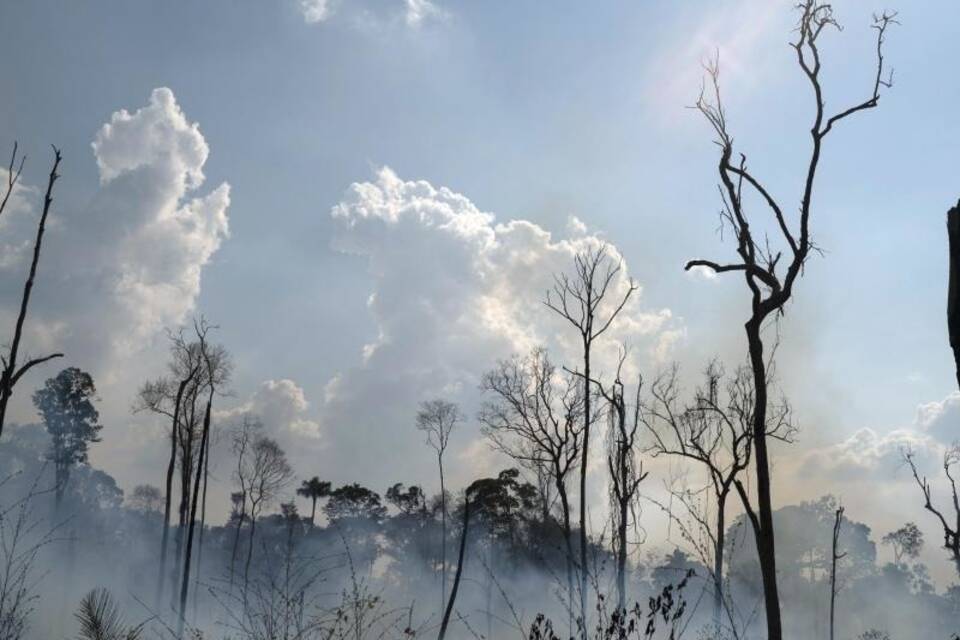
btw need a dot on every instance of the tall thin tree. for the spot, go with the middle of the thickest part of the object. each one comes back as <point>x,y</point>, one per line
<point>12,370</point>
<point>534,415</point>
<point>583,301</point>
<point>437,418</point>
<point>835,556</point>
<point>759,262</point>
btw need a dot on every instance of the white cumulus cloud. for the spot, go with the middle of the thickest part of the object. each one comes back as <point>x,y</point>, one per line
<point>453,290</point>
<point>116,271</point>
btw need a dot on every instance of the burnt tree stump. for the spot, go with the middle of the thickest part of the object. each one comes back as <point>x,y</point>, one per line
<point>953,291</point>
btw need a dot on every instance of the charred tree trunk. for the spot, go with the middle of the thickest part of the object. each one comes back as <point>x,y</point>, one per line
<point>718,559</point>
<point>763,524</point>
<point>583,488</point>
<point>443,533</point>
<point>171,466</point>
<point>246,566</point>
<point>203,521</point>
<point>834,557</point>
<point>236,538</point>
<point>11,374</point>
<point>953,294</point>
<point>568,545</point>
<point>185,586</point>
<point>460,560</point>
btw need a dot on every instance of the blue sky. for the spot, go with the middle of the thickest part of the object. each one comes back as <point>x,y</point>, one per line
<point>532,111</point>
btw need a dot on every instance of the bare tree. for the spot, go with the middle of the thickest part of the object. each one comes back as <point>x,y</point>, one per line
<point>12,370</point>
<point>244,436</point>
<point>23,537</point>
<point>626,473</point>
<point>267,472</point>
<point>949,523</point>
<point>714,430</point>
<point>437,418</point>
<point>590,301</point>
<point>759,262</point>
<point>180,396</point>
<point>461,558</point>
<point>216,370</point>
<point>535,417</point>
<point>158,396</point>
<point>835,556</point>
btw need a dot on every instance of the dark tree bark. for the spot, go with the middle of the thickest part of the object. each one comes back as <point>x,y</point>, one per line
<point>758,262</point>
<point>625,474</point>
<point>950,523</point>
<point>835,556</point>
<point>171,465</point>
<point>185,586</point>
<point>12,373</point>
<point>460,561</point>
<point>437,418</point>
<point>537,422</point>
<point>953,294</point>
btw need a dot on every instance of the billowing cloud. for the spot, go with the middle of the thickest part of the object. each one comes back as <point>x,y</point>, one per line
<point>869,456</point>
<point>117,271</point>
<point>281,405</point>
<point>941,420</point>
<point>453,291</point>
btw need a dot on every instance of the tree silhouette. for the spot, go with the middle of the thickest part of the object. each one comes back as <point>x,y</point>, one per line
<point>759,262</point>
<point>12,369</point>
<point>536,419</point>
<point>582,300</point>
<point>437,418</point>
<point>624,471</point>
<point>907,541</point>
<point>216,370</point>
<point>267,472</point>
<point>949,523</point>
<point>314,489</point>
<point>65,403</point>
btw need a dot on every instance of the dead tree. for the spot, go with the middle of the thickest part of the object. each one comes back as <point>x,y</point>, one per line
<point>835,556</point>
<point>267,473</point>
<point>461,557</point>
<point>244,436</point>
<point>176,397</point>
<point>583,300</point>
<point>625,472</point>
<point>436,418</point>
<point>714,430</point>
<point>953,292</point>
<point>535,417</point>
<point>12,370</point>
<point>759,262</point>
<point>949,523</point>
<point>215,370</point>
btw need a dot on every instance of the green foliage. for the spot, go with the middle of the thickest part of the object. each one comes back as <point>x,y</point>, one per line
<point>65,403</point>
<point>100,618</point>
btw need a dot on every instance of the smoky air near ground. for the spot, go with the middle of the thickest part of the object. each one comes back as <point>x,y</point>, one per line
<point>386,319</point>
